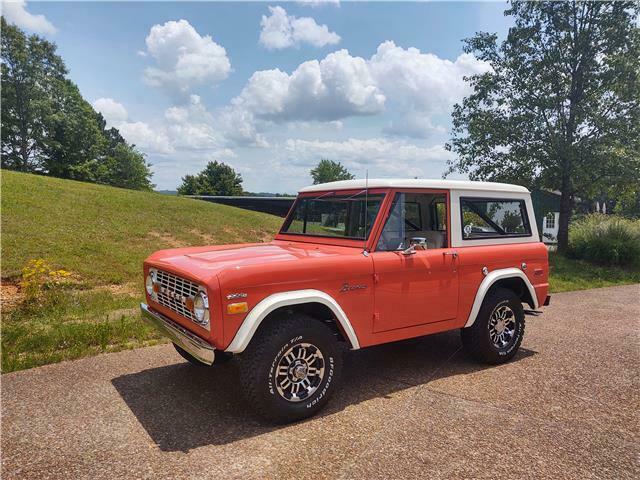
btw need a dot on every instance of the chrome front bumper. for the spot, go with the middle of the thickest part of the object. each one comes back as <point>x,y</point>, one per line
<point>179,335</point>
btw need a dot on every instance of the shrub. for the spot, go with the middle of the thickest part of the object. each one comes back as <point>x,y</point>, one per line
<point>608,239</point>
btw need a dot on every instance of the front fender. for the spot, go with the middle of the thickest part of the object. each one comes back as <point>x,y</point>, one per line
<point>277,300</point>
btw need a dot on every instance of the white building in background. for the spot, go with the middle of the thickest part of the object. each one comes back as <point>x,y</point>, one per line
<point>550,227</point>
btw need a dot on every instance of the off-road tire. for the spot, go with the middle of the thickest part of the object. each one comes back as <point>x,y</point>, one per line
<point>476,339</point>
<point>219,359</point>
<point>259,367</point>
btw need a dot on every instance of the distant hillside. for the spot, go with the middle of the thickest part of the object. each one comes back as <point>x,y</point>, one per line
<point>103,233</point>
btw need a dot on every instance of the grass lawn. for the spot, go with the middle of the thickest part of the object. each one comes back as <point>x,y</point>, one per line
<point>569,274</point>
<point>101,235</point>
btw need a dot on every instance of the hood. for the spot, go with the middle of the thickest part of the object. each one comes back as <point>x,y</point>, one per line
<point>204,262</point>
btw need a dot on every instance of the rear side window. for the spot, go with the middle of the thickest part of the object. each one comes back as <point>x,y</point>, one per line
<point>494,218</point>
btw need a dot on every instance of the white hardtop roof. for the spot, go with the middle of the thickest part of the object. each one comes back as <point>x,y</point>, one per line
<point>416,183</point>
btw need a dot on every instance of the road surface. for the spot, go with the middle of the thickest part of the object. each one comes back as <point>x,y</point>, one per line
<point>566,407</point>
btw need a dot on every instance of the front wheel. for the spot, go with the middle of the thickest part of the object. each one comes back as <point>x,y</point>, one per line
<point>291,368</point>
<point>497,333</point>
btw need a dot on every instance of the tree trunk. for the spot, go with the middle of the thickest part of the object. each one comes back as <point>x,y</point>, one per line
<point>566,207</point>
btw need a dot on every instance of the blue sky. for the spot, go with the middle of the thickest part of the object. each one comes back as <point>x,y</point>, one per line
<point>270,88</point>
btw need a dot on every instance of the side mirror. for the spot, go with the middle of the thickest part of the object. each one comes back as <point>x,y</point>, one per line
<point>416,243</point>
<point>411,250</point>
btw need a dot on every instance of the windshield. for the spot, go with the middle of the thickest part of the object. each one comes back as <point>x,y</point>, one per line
<point>332,215</point>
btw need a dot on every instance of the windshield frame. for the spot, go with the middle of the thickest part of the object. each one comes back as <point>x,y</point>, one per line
<point>328,239</point>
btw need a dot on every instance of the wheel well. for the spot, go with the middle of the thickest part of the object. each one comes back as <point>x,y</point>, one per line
<point>517,285</point>
<point>315,310</point>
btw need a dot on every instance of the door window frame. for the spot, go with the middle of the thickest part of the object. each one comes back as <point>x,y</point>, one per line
<point>385,211</point>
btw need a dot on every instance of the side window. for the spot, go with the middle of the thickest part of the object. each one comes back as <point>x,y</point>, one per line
<point>417,217</point>
<point>490,218</point>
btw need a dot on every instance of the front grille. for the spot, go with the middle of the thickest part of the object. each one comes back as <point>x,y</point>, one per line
<point>174,292</point>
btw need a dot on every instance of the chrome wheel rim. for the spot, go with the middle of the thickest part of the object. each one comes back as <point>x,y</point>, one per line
<point>502,326</point>
<point>299,372</point>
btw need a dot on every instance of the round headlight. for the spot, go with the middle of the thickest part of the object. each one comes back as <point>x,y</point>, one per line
<point>201,308</point>
<point>151,278</point>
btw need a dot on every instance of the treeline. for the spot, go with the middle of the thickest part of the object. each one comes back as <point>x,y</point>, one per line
<point>218,178</point>
<point>49,129</point>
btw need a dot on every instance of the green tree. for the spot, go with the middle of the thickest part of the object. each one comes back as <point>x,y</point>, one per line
<point>216,179</point>
<point>560,106</point>
<point>190,185</point>
<point>329,171</point>
<point>48,128</point>
<point>75,139</point>
<point>31,73</point>
<point>124,167</point>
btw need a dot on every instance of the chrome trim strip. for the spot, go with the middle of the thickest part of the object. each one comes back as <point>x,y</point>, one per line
<point>179,335</point>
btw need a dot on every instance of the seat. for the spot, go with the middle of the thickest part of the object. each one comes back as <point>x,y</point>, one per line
<point>435,239</point>
<point>391,240</point>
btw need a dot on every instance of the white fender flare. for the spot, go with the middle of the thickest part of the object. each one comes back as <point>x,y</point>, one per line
<point>492,278</point>
<point>277,300</point>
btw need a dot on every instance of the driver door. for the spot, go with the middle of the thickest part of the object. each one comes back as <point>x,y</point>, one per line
<point>421,286</point>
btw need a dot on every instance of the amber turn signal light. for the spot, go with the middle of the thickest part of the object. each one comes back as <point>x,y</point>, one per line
<point>241,307</point>
<point>189,304</point>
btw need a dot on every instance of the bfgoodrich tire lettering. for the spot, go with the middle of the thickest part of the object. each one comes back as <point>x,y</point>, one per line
<point>291,368</point>
<point>497,333</point>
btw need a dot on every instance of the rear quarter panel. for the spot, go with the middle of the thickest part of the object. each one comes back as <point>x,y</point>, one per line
<point>494,257</point>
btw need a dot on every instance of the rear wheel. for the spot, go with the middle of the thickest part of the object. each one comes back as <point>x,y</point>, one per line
<point>220,357</point>
<point>497,333</point>
<point>291,368</point>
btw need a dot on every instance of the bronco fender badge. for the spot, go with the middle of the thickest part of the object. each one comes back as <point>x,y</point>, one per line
<point>348,288</point>
<point>233,296</point>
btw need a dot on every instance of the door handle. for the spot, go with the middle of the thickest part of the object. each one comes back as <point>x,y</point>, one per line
<point>453,254</point>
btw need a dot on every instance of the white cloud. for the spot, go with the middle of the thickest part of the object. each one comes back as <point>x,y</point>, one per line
<point>183,57</point>
<point>383,157</point>
<point>190,127</point>
<point>240,128</point>
<point>422,81</point>
<point>113,112</point>
<point>340,85</point>
<point>336,87</point>
<point>186,127</point>
<point>15,12</point>
<point>319,3</point>
<point>280,30</point>
<point>146,138</point>
<point>416,125</point>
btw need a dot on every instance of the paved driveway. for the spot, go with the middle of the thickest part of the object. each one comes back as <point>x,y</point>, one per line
<point>566,407</point>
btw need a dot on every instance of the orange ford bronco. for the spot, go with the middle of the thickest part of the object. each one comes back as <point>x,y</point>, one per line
<point>356,263</point>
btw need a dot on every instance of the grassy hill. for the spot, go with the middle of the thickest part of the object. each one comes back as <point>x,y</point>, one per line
<point>101,235</point>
